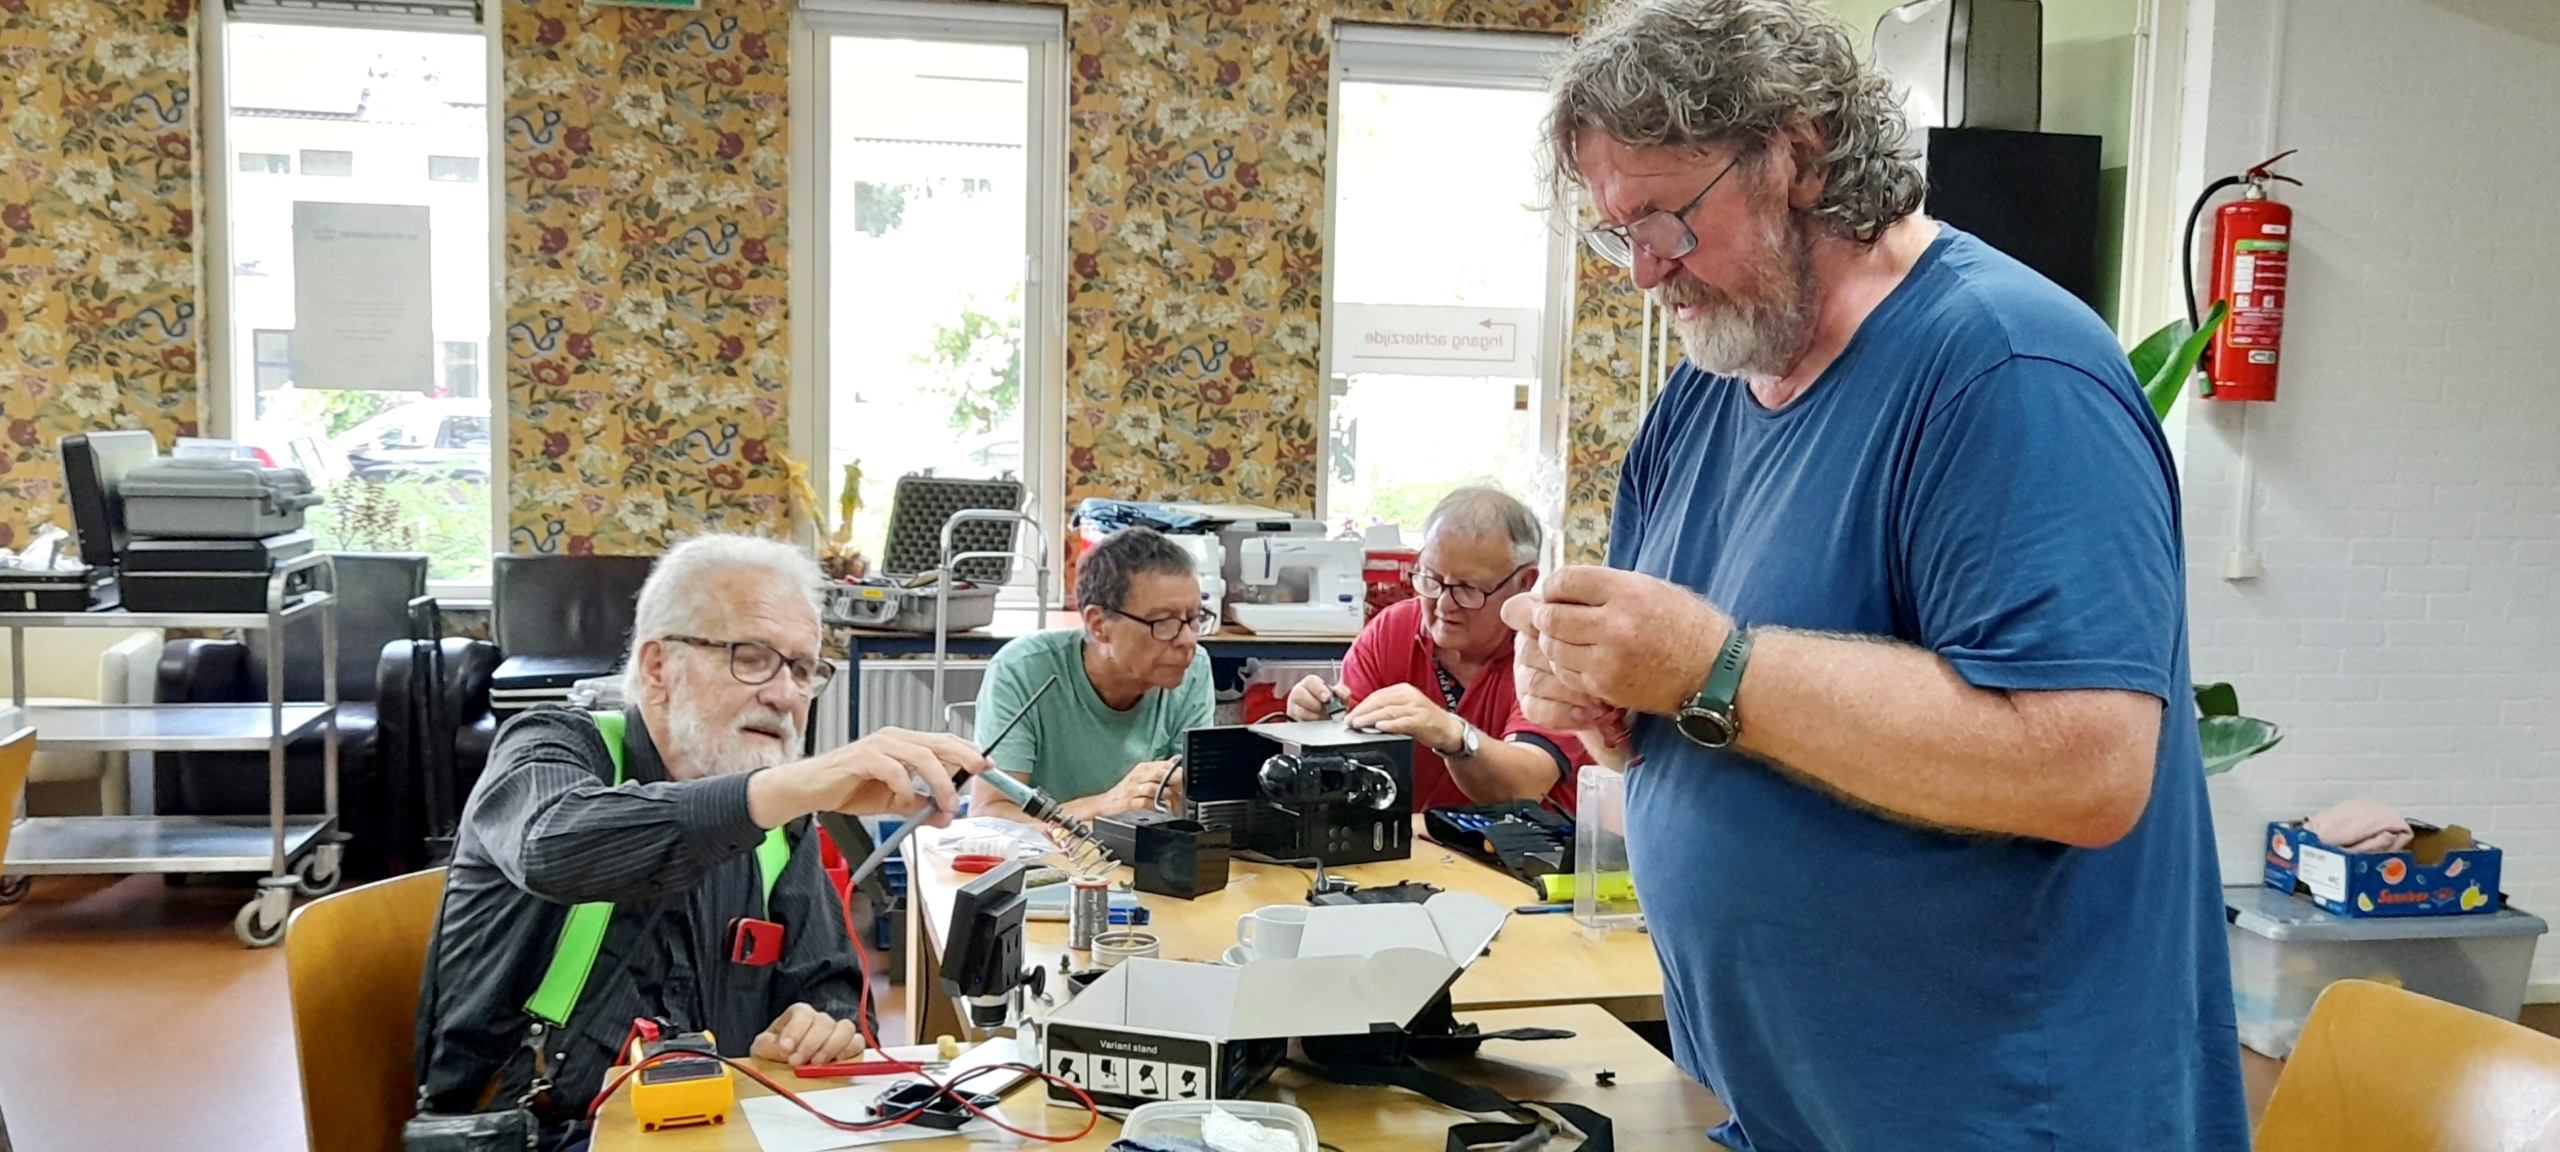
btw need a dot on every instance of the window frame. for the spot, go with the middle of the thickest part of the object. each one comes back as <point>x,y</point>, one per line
<point>222,395</point>
<point>1041,30</point>
<point>477,166</point>
<point>258,363</point>
<point>1445,58</point>
<point>302,160</point>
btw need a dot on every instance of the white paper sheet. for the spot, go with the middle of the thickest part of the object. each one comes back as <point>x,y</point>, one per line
<point>362,310</point>
<point>780,1126</point>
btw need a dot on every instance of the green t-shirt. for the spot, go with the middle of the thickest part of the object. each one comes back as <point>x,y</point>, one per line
<point>1073,745</point>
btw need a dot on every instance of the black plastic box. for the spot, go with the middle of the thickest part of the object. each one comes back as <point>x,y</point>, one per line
<point>1170,856</point>
<point>260,556</point>
<point>207,591</point>
<point>91,590</point>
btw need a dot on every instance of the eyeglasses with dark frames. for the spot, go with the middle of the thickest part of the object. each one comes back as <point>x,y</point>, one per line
<point>1169,628</point>
<point>1428,585</point>
<point>1663,235</point>
<point>755,662</point>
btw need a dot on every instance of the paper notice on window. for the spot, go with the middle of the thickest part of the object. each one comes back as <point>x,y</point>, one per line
<point>1435,340</point>
<point>363,313</point>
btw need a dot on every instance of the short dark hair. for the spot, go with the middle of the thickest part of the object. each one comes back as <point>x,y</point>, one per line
<point>1104,572</point>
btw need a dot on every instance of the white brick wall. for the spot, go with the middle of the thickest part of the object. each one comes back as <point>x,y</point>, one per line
<point>2406,632</point>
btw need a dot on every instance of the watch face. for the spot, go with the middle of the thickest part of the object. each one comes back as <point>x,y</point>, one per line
<point>1708,729</point>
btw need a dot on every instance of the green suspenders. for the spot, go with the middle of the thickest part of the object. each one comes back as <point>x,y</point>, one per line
<point>582,934</point>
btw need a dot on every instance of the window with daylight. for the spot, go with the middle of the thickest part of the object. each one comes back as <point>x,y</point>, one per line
<point>938,176</point>
<point>1446,308</point>
<point>461,368</point>
<point>328,162</point>
<point>398,441</point>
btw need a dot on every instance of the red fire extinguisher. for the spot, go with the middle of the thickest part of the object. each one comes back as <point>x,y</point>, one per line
<point>2252,255</point>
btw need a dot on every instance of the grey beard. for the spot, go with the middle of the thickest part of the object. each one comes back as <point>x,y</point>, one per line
<point>718,749</point>
<point>1760,336</point>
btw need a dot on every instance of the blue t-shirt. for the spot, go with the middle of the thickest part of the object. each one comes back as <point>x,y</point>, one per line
<point>1977,475</point>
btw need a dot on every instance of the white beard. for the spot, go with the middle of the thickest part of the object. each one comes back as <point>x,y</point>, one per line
<point>1762,335</point>
<point>721,746</point>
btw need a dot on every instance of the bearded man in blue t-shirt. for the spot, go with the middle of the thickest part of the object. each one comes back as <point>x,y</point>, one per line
<point>1893,630</point>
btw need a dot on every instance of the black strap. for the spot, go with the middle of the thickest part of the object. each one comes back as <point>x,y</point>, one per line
<point>1450,690</point>
<point>1598,1134</point>
<point>423,1046</point>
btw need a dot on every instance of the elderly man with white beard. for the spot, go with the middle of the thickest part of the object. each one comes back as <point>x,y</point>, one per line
<point>658,862</point>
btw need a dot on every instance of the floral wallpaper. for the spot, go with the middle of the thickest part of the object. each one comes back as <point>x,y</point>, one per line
<point>1197,188</point>
<point>97,224</point>
<point>1604,398</point>
<point>647,335</point>
<point>647,326</point>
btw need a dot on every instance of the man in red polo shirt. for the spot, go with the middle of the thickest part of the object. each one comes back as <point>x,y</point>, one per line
<point>1438,667</point>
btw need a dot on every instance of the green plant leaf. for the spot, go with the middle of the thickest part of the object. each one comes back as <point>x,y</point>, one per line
<point>2219,699</point>
<point>2228,740</point>
<point>2166,358</point>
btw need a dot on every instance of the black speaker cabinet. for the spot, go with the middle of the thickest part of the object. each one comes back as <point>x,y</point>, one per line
<point>2033,195</point>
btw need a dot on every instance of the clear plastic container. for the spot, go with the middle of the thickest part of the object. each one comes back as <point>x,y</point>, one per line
<point>1182,1118</point>
<point>2284,953</point>
<point>1604,892</point>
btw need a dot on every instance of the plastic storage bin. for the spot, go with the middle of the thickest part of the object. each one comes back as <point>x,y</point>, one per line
<point>1182,1118</point>
<point>203,499</point>
<point>1604,894</point>
<point>2284,952</point>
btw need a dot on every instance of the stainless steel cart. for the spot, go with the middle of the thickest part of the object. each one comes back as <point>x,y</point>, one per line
<point>298,853</point>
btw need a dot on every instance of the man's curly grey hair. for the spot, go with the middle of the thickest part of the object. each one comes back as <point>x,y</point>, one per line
<point>1715,73</point>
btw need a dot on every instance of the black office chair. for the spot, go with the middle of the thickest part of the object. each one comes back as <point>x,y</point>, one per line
<point>554,620</point>
<point>382,604</point>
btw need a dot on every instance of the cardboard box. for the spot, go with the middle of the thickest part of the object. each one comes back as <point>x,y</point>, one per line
<point>2443,872</point>
<point>1176,1030</point>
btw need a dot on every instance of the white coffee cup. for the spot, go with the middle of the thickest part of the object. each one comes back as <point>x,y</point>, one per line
<point>1273,931</point>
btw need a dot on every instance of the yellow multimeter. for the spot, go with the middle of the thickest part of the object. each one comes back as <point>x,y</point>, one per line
<point>682,1091</point>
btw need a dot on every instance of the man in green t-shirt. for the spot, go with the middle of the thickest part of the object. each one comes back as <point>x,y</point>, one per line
<point>1131,681</point>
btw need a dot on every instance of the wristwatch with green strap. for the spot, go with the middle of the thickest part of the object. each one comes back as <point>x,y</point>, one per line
<point>1707,718</point>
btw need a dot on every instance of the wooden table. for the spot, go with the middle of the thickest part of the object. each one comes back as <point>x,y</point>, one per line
<point>1652,1104</point>
<point>1537,960</point>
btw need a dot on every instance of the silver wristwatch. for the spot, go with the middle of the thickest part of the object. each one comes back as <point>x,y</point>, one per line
<point>1470,742</point>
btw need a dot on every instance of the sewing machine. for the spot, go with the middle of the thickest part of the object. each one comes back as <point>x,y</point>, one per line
<point>1208,562</point>
<point>1300,585</point>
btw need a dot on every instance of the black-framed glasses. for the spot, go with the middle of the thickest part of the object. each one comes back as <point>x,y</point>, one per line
<point>1428,585</point>
<point>755,662</point>
<point>1663,235</point>
<point>1170,628</point>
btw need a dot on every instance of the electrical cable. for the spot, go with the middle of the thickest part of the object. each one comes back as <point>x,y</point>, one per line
<point>943,1088</point>
<point>862,1023</point>
<point>1156,802</point>
<point>1315,884</point>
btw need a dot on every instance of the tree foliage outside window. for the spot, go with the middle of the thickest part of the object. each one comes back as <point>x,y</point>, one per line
<point>977,362</point>
<point>878,209</point>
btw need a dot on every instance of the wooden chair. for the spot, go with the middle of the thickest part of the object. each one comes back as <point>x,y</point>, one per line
<point>2382,1069</point>
<point>17,754</point>
<point>352,963</point>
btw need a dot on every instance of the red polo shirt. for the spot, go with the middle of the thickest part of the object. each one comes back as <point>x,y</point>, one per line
<point>1395,648</point>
